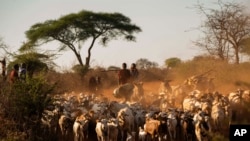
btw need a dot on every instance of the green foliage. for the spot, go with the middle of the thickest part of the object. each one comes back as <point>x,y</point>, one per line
<point>82,70</point>
<point>73,29</point>
<point>144,63</point>
<point>35,62</point>
<point>30,97</point>
<point>24,103</point>
<point>172,62</point>
<point>113,68</point>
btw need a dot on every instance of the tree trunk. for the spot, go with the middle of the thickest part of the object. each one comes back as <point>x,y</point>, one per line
<point>79,58</point>
<point>89,53</point>
<point>87,61</point>
<point>237,58</point>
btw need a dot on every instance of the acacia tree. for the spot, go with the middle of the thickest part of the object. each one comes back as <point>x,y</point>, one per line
<point>75,29</point>
<point>172,62</point>
<point>224,30</point>
<point>144,63</point>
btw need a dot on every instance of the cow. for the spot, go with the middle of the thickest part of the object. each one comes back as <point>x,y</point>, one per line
<point>114,107</point>
<point>246,96</point>
<point>126,121</point>
<point>113,129</point>
<point>237,104</point>
<point>190,103</point>
<point>202,126</point>
<point>163,127</point>
<point>102,130</point>
<point>218,116</point>
<point>81,128</point>
<point>124,91</point>
<point>129,90</point>
<point>151,127</point>
<point>172,125</point>
<point>139,118</point>
<point>188,128</point>
<point>65,124</point>
<point>142,134</point>
<point>49,120</point>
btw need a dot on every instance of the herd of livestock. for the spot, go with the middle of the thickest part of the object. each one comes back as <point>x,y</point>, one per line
<point>176,113</point>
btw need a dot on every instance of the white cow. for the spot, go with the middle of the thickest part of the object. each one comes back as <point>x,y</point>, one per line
<point>80,128</point>
<point>190,103</point>
<point>65,124</point>
<point>218,116</point>
<point>202,126</point>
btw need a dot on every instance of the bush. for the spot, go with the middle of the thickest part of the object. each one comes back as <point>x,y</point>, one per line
<point>23,104</point>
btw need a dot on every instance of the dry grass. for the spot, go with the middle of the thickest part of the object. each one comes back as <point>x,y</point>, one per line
<point>227,77</point>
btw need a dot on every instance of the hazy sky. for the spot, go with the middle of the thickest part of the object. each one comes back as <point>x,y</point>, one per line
<point>166,27</point>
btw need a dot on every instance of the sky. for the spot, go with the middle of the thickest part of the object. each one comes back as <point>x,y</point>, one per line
<point>168,28</point>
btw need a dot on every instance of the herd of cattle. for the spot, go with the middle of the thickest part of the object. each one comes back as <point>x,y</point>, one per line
<point>173,114</point>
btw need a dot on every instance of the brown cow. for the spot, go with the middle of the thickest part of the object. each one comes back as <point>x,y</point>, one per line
<point>151,127</point>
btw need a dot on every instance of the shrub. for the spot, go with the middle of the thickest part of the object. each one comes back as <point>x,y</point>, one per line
<point>23,104</point>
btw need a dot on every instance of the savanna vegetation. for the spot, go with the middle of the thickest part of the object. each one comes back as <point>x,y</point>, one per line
<point>23,103</point>
<point>226,38</point>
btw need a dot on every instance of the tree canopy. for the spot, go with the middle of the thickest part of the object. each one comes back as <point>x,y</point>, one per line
<point>224,30</point>
<point>74,29</point>
<point>144,63</point>
<point>172,62</point>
